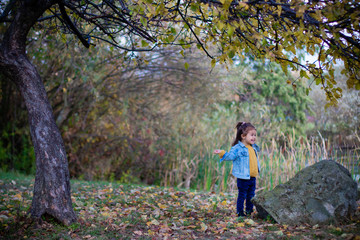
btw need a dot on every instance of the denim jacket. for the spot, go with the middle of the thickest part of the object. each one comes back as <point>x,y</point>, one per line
<point>239,154</point>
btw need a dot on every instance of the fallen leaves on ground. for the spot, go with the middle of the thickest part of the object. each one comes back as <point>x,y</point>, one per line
<point>113,211</point>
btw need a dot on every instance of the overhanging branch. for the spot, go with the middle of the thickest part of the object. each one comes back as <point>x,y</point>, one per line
<point>71,25</point>
<point>186,22</point>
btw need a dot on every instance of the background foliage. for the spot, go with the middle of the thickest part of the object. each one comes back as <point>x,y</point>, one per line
<point>156,117</point>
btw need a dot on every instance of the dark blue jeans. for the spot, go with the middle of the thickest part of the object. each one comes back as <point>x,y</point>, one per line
<point>246,192</point>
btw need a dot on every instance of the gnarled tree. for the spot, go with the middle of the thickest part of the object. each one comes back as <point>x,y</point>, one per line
<point>270,29</point>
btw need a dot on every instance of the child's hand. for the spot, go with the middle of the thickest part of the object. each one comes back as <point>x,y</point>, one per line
<point>217,151</point>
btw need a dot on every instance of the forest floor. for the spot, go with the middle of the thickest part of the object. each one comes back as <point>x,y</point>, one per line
<point>117,211</point>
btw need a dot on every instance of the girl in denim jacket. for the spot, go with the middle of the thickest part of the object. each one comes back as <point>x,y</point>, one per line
<point>246,166</point>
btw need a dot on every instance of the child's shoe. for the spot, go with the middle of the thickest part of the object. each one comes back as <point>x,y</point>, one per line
<point>241,214</point>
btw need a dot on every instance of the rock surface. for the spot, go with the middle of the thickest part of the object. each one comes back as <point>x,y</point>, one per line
<point>319,194</point>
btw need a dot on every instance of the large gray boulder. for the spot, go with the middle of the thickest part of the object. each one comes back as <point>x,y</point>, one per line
<point>319,194</point>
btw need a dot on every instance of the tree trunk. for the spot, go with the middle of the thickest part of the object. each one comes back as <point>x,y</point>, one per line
<point>52,181</point>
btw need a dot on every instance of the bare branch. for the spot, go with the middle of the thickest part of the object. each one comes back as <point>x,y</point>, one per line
<point>71,25</point>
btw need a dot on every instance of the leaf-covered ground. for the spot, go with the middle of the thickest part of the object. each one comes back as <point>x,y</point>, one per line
<point>114,211</point>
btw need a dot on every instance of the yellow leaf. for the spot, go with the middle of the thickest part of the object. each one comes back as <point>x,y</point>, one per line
<point>230,30</point>
<point>249,222</point>
<point>220,25</point>
<point>317,40</point>
<point>278,11</point>
<point>257,36</point>
<point>241,224</point>
<point>318,15</point>
<point>160,8</point>
<point>213,63</point>
<point>300,11</point>
<point>162,206</point>
<point>243,5</point>
<point>357,237</point>
<point>105,214</point>
<point>17,197</point>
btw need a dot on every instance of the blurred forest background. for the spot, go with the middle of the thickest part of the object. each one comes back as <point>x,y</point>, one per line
<point>155,117</point>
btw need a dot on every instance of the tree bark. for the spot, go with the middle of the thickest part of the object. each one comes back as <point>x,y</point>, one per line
<point>52,181</point>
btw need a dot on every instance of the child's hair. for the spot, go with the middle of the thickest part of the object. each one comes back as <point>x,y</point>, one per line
<point>242,129</point>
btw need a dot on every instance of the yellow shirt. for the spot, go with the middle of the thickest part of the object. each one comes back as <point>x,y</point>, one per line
<point>254,170</point>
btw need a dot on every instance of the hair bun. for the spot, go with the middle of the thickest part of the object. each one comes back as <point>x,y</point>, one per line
<point>239,124</point>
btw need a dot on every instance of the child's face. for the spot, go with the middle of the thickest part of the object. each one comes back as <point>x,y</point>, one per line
<point>250,138</point>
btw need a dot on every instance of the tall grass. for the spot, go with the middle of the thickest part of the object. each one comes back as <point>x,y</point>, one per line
<point>280,163</point>
<point>200,169</point>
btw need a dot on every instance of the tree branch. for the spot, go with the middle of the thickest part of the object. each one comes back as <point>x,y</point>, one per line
<point>186,22</point>
<point>140,31</point>
<point>71,25</point>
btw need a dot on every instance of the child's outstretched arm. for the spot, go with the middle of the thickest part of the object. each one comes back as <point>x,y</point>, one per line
<point>227,156</point>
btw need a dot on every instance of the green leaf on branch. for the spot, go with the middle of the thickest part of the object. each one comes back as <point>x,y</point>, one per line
<point>213,63</point>
<point>186,66</point>
<point>231,54</point>
<point>143,21</point>
<point>304,74</point>
<point>144,43</point>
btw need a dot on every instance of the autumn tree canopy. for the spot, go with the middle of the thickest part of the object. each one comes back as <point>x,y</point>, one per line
<point>226,30</point>
<point>276,30</point>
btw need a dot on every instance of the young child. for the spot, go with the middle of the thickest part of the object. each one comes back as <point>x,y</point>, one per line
<point>246,166</point>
